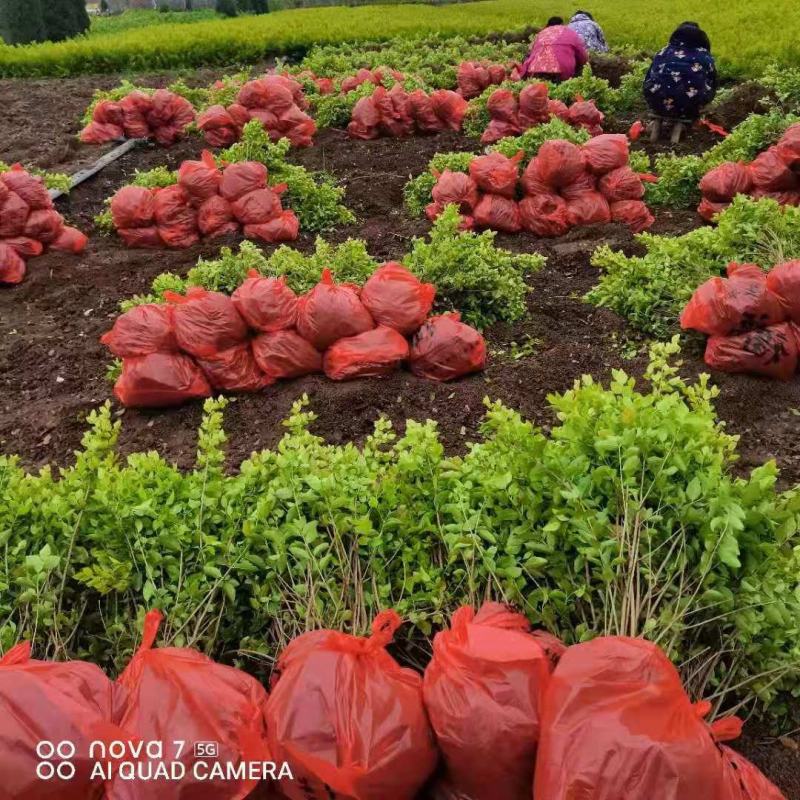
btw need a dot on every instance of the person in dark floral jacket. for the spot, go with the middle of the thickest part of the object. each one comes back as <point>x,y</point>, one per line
<point>683,77</point>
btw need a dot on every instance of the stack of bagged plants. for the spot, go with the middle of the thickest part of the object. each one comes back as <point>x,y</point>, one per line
<point>30,224</point>
<point>191,345</point>
<point>775,173</point>
<point>564,186</point>
<point>474,77</point>
<point>206,202</point>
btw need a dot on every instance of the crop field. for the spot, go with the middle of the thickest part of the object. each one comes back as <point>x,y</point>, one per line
<point>596,445</point>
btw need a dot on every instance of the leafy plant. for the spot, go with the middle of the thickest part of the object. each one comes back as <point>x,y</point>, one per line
<point>783,82</point>
<point>52,180</point>
<point>530,141</point>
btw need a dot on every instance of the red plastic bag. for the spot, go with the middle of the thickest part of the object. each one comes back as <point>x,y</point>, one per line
<point>544,215</point>
<point>218,126</point>
<point>172,207</point>
<point>746,779</point>
<point>283,228</point>
<point>783,280</point>
<point>265,304</point>
<point>425,117</point>
<point>483,691</point>
<point>24,246</point>
<point>133,207</point>
<point>142,330</point>
<point>241,178</point>
<point>532,181</point>
<point>559,162</point>
<point>108,111</point>
<point>497,73</point>
<point>169,116</point>
<point>616,723</point>
<point>159,380</point>
<point>30,188</point>
<point>498,213</point>
<point>101,132</point>
<point>256,207</point>
<point>285,354</point>
<point>206,323</point>
<point>457,188</point>
<point>141,237</point>
<point>496,173</point>
<point>215,217</point>
<point>768,351</point>
<point>13,215</point>
<point>12,265</point>
<point>633,213</point>
<point>180,235</point>
<point>724,182</point>
<point>606,152</point>
<point>135,108</point>
<point>585,182</point>
<point>330,312</point>
<point>446,348</point>
<point>788,147</point>
<point>397,299</point>
<point>365,121</point>
<point>770,173</point>
<point>502,105</point>
<point>472,79</point>
<point>200,179</point>
<point>497,130</point>
<point>46,705</point>
<point>45,225</point>
<point>585,114</point>
<point>70,240</point>
<point>557,108</point>
<point>450,107</point>
<point>173,695</point>
<point>297,127</point>
<point>234,370</point>
<point>708,209</point>
<point>621,184</point>
<point>533,104</point>
<point>371,354</point>
<point>348,719</point>
<point>590,208</point>
<point>739,303</point>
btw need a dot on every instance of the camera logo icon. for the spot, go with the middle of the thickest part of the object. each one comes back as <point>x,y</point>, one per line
<point>55,760</point>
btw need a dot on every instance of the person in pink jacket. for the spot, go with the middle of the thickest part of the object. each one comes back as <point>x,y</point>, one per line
<point>557,53</point>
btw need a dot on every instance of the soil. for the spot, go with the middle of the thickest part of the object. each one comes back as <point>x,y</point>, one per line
<point>740,104</point>
<point>52,366</point>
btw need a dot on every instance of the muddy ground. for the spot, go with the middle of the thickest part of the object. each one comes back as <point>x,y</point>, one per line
<point>52,365</point>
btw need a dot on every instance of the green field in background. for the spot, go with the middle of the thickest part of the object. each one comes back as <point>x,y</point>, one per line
<point>746,35</point>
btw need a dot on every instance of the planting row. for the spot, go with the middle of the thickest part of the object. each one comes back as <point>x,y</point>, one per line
<point>501,711</point>
<point>264,332</point>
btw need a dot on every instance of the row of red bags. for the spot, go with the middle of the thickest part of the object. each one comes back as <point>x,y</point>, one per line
<point>264,332</point>
<point>276,101</point>
<point>162,116</point>
<point>29,224</point>
<point>511,114</point>
<point>565,185</point>
<point>752,319</point>
<point>502,711</point>
<point>397,112</point>
<point>774,173</point>
<point>206,202</point>
<point>475,77</point>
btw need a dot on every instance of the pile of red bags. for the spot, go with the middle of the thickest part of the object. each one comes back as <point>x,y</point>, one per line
<point>775,173</point>
<point>511,114</point>
<point>205,341</point>
<point>29,224</point>
<point>162,116</point>
<point>375,76</point>
<point>206,203</point>
<point>397,112</point>
<point>474,77</point>
<point>751,318</point>
<point>564,186</point>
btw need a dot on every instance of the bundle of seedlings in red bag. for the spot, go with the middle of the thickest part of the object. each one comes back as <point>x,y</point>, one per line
<point>564,186</point>
<point>202,341</point>
<point>375,76</point>
<point>775,173</point>
<point>474,77</point>
<point>162,116</point>
<point>276,101</point>
<point>511,114</point>
<point>207,202</point>
<point>752,319</point>
<point>30,224</point>
<point>399,113</point>
<point>348,719</point>
<point>617,723</point>
<point>483,692</point>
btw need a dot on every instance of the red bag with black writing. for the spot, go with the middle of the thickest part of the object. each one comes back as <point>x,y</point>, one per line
<point>158,380</point>
<point>176,695</point>
<point>446,348</point>
<point>396,298</point>
<point>266,304</point>
<point>371,354</point>
<point>330,312</point>
<point>142,330</point>
<point>285,354</point>
<point>66,704</point>
<point>348,719</point>
<point>205,323</point>
<point>483,692</point>
<point>771,351</point>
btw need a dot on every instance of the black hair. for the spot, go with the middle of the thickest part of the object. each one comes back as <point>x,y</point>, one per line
<point>585,14</point>
<point>690,34</point>
<point>554,21</point>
